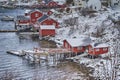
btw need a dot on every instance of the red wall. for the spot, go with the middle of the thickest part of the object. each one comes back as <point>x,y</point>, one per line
<point>50,22</point>
<point>23,21</point>
<point>94,52</point>
<point>47,32</point>
<point>73,49</point>
<point>33,16</point>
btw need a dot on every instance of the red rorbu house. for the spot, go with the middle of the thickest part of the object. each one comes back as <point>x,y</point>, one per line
<point>22,21</point>
<point>34,15</point>
<point>77,45</point>
<point>47,30</point>
<point>45,20</point>
<point>97,48</point>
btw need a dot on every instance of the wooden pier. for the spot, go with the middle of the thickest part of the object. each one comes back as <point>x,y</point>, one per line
<point>49,55</point>
<point>3,31</point>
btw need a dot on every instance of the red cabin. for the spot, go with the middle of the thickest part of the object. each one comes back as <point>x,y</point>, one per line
<point>47,30</point>
<point>76,45</point>
<point>97,49</point>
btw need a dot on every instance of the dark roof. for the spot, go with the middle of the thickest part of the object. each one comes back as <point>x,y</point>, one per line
<point>34,11</point>
<point>47,1</point>
<point>96,44</point>
<point>43,18</point>
<point>22,17</point>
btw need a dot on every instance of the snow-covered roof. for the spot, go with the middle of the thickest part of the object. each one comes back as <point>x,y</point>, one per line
<point>27,11</point>
<point>75,42</point>
<point>99,45</point>
<point>47,27</point>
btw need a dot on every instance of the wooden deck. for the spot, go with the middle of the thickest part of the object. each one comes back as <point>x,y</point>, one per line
<point>56,54</point>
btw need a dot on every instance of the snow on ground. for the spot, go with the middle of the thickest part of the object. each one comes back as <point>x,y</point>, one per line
<point>88,26</point>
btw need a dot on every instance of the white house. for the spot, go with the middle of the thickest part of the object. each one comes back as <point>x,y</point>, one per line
<point>94,4</point>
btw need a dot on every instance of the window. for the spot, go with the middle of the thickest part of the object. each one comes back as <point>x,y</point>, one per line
<point>79,48</point>
<point>50,4</point>
<point>44,23</point>
<point>66,45</point>
<point>33,19</point>
<point>96,49</point>
<point>104,49</point>
<point>90,49</point>
<point>95,7</point>
<point>36,15</point>
<point>54,23</point>
<point>115,3</point>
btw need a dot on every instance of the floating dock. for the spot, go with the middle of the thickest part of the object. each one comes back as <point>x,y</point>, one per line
<point>49,55</point>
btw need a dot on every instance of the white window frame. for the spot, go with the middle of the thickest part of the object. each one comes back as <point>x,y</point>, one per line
<point>80,48</point>
<point>104,49</point>
<point>54,24</point>
<point>66,45</point>
<point>36,15</point>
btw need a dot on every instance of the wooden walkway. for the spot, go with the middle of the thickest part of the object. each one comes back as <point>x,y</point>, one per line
<point>56,54</point>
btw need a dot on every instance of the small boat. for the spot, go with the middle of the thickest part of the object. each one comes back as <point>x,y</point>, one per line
<point>7,18</point>
<point>17,53</point>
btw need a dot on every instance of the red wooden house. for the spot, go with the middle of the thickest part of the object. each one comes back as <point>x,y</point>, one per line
<point>97,48</point>
<point>22,20</point>
<point>76,45</point>
<point>47,30</point>
<point>34,15</point>
<point>45,20</point>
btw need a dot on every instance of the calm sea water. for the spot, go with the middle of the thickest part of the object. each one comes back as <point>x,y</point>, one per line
<point>20,67</point>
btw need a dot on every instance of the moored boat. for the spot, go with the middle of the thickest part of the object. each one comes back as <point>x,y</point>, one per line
<point>17,53</point>
<point>7,18</point>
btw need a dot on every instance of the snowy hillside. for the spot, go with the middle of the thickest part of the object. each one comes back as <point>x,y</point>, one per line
<point>100,28</point>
